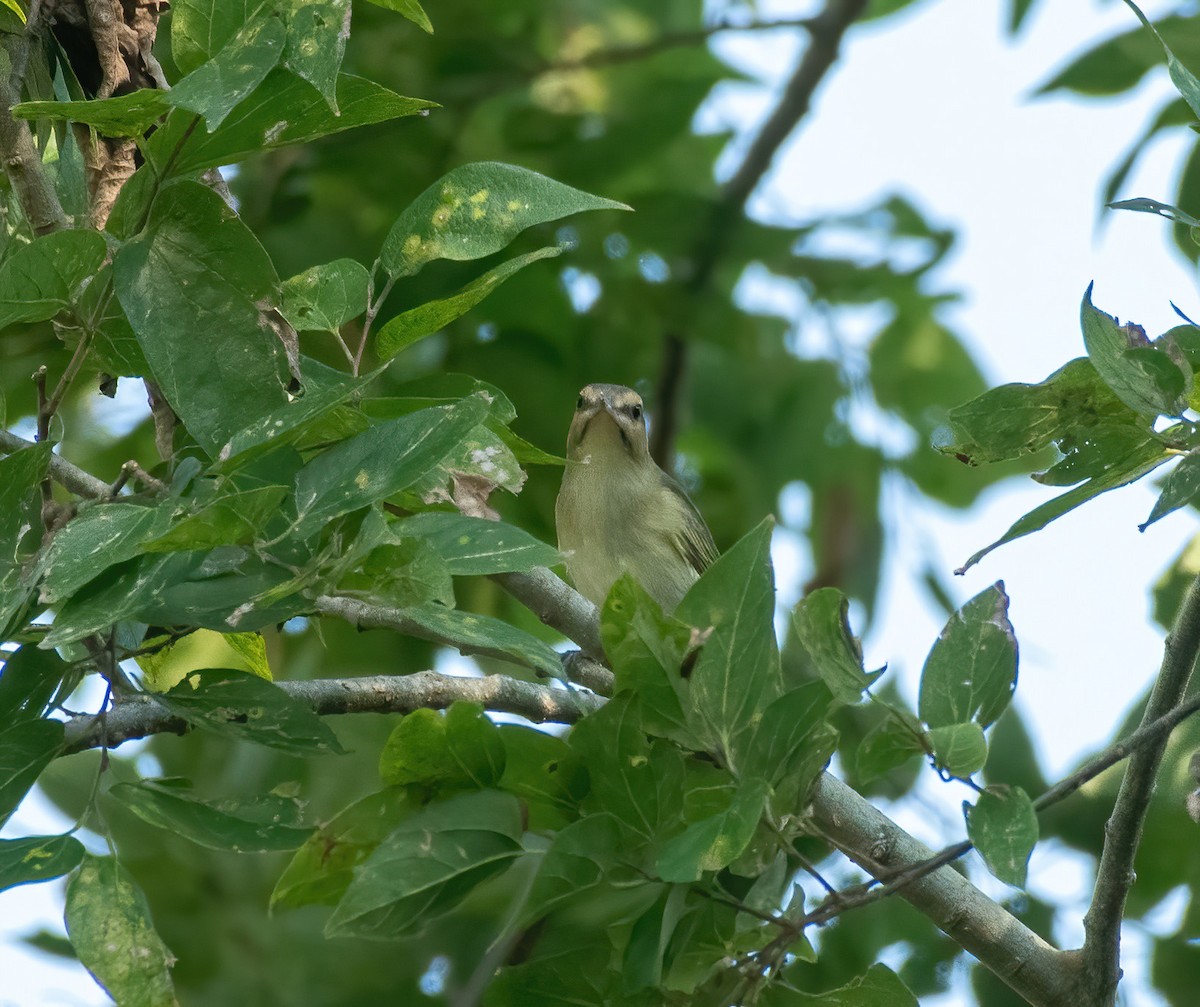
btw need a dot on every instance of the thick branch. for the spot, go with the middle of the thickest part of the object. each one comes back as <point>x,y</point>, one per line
<point>1034,969</point>
<point>23,165</point>
<point>557,605</point>
<point>142,717</point>
<point>1123,831</point>
<point>61,471</point>
<point>825,31</point>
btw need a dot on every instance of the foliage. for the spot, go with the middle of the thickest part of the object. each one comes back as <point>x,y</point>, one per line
<point>656,852</point>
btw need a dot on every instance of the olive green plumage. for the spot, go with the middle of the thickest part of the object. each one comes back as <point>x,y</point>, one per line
<point>618,512</point>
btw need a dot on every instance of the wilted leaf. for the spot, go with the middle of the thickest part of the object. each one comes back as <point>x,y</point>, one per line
<point>823,628</point>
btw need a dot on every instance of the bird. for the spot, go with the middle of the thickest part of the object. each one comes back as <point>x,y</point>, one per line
<point>617,512</point>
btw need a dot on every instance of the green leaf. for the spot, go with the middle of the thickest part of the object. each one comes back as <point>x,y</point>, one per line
<point>429,864</point>
<point>971,671</point>
<point>253,825</point>
<point>1019,419</point>
<point>196,256</point>
<point>409,9</point>
<point>242,705</point>
<point>640,783</point>
<point>20,474</point>
<point>889,744</point>
<point>959,749</point>
<point>642,968</point>
<point>109,924</point>
<point>1143,460</point>
<point>324,390</point>
<point>37,858</point>
<point>878,987</point>
<point>1143,205</point>
<point>715,842</point>
<point>484,634</point>
<point>415,324</point>
<point>323,867</point>
<point>823,628</point>
<point>737,672</point>
<point>793,743</point>
<point>122,115</point>
<point>325,297</point>
<point>471,546</point>
<point>1004,828</point>
<point>26,748</point>
<point>200,28</point>
<point>382,460</point>
<point>476,210</point>
<point>28,681</point>
<point>1119,62</point>
<point>540,769</point>
<point>1183,79</point>
<point>216,86</point>
<point>1180,488</point>
<point>1143,376</point>
<point>99,537</point>
<point>583,857</point>
<point>280,112</point>
<point>645,649</point>
<point>232,519</point>
<point>460,748</point>
<point>317,33</point>
<point>46,276</point>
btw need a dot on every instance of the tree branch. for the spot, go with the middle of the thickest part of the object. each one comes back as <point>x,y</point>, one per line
<point>557,605</point>
<point>1123,831</point>
<point>141,717</point>
<point>61,471</point>
<point>1037,971</point>
<point>825,31</point>
<point>23,164</point>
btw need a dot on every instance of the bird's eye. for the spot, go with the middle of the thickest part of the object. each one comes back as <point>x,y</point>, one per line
<point>579,403</point>
<point>635,412</point>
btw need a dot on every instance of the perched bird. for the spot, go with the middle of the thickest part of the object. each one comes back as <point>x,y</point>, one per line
<point>618,512</point>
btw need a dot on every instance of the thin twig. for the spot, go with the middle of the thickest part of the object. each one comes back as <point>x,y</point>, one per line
<point>1123,831</point>
<point>72,477</point>
<point>374,304</point>
<point>826,31</point>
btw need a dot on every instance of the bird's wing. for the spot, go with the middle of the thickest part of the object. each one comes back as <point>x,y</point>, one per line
<point>694,542</point>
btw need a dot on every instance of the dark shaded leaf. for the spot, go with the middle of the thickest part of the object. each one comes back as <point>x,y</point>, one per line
<point>37,858</point>
<point>429,864</point>
<point>252,825</point>
<point>197,256</point>
<point>26,748</point>
<point>242,705</point>
<point>46,276</point>
<point>323,867</point>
